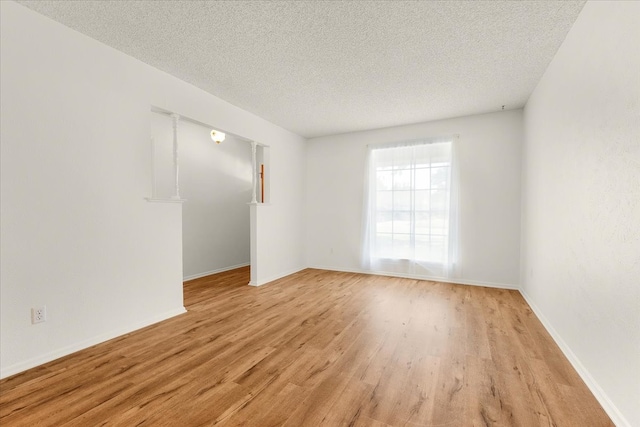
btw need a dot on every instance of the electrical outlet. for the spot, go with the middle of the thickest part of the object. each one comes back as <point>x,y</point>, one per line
<point>39,314</point>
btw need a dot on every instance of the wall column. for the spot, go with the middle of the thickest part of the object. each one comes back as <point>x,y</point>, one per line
<point>254,173</point>
<point>176,192</point>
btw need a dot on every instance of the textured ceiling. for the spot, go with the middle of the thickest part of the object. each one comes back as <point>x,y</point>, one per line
<point>319,68</point>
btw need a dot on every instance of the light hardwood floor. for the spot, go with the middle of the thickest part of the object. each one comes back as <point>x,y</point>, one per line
<point>317,348</point>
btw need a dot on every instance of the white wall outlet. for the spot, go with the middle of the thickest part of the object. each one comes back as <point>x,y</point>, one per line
<point>39,314</point>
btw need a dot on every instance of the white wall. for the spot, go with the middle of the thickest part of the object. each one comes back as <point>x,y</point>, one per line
<point>215,180</point>
<point>581,203</point>
<point>77,234</point>
<point>281,221</point>
<point>489,152</point>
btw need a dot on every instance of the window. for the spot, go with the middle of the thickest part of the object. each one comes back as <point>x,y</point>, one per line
<point>409,212</point>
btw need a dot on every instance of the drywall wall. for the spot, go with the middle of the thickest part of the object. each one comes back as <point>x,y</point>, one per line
<point>489,154</point>
<point>281,221</point>
<point>581,203</point>
<point>77,233</point>
<point>215,180</point>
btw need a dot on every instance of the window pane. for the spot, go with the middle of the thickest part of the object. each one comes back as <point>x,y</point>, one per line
<point>383,246</point>
<point>439,200</point>
<point>384,179</point>
<point>422,200</point>
<point>410,202</point>
<point>438,247</point>
<point>401,222</point>
<point>402,179</point>
<point>401,200</point>
<point>422,179</point>
<point>422,222</point>
<point>383,222</point>
<point>423,248</point>
<point>384,200</point>
<point>439,223</point>
<point>439,177</point>
<point>402,246</point>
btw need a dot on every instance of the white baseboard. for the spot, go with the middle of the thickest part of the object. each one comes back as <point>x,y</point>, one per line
<point>209,273</point>
<point>418,277</point>
<point>56,354</point>
<point>600,395</point>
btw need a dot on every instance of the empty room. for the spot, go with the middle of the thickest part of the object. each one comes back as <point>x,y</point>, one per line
<point>320,213</point>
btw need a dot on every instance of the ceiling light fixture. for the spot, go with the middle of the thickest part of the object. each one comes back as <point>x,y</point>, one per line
<point>217,136</point>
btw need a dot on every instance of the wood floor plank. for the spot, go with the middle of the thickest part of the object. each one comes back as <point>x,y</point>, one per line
<point>314,410</point>
<point>317,348</point>
<point>348,408</point>
<point>276,413</point>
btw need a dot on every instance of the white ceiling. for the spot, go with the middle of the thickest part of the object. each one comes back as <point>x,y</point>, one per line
<point>320,67</point>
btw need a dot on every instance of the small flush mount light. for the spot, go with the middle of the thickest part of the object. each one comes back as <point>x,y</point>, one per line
<point>217,136</point>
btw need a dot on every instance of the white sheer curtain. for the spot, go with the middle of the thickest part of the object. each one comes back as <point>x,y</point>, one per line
<point>411,208</point>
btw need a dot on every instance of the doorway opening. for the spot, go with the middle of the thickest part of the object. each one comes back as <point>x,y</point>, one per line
<point>215,181</point>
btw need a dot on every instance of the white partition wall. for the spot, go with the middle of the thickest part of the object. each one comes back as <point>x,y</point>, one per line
<point>77,233</point>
